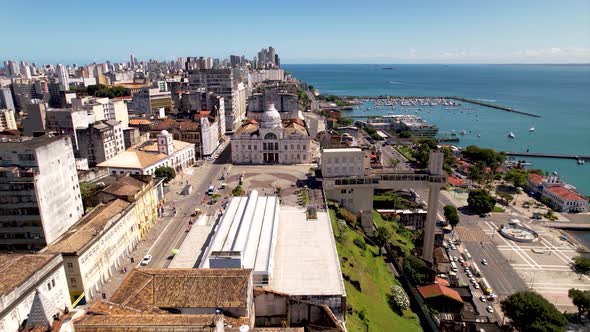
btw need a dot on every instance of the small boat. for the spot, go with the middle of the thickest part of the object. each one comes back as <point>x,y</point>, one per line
<point>511,135</point>
<point>580,161</point>
<point>478,135</point>
<point>462,132</point>
<point>532,129</point>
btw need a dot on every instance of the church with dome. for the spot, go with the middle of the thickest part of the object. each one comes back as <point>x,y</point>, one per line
<point>272,140</point>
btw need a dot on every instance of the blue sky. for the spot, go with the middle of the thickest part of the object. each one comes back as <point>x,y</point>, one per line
<point>437,31</point>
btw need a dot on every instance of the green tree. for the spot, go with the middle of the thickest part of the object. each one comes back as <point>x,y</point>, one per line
<point>536,171</point>
<point>165,172</point>
<point>451,215</point>
<point>581,299</point>
<point>489,157</point>
<point>237,191</point>
<point>394,162</point>
<point>346,121</point>
<point>449,159</point>
<point>381,237</point>
<point>404,134</point>
<point>480,201</point>
<point>414,269</point>
<point>477,172</point>
<point>582,264</point>
<point>531,312</point>
<point>518,177</point>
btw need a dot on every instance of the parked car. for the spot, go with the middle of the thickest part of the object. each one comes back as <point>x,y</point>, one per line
<point>476,286</point>
<point>146,260</point>
<point>455,259</point>
<point>472,280</point>
<point>482,298</point>
<point>490,309</point>
<point>484,262</point>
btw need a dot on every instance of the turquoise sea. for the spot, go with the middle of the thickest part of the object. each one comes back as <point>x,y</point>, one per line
<point>559,93</point>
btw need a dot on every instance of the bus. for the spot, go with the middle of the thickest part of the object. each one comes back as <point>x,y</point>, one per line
<point>485,286</point>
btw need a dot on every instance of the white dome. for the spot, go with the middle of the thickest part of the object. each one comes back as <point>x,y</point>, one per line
<point>271,117</point>
<point>164,132</point>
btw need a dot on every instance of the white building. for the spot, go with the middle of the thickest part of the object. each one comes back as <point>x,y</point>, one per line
<point>96,246</point>
<point>146,157</point>
<point>417,126</point>
<point>101,141</point>
<point>560,196</point>
<point>39,192</point>
<point>66,121</point>
<point>343,162</point>
<point>246,237</point>
<point>259,76</point>
<point>103,108</point>
<point>7,120</point>
<point>272,141</point>
<point>25,279</point>
<point>62,76</point>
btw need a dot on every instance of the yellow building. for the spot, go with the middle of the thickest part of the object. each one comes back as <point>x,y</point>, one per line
<point>138,189</point>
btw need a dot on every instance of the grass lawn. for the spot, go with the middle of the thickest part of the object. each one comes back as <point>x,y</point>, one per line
<point>368,283</point>
<point>497,209</point>
<point>405,151</point>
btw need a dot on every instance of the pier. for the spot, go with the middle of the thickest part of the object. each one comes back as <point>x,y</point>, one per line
<point>503,108</point>
<point>547,155</point>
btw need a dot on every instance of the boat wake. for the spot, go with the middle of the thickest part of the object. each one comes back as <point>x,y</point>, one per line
<point>488,100</point>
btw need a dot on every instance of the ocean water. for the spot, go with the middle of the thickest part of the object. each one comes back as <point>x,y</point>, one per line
<point>559,93</point>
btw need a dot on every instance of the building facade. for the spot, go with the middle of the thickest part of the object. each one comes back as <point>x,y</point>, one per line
<point>39,192</point>
<point>149,102</point>
<point>146,157</point>
<point>343,162</point>
<point>272,141</point>
<point>7,120</point>
<point>24,277</point>
<point>96,247</point>
<point>101,141</point>
<point>224,83</point>
<point>556,194</point>
<point>103,108</point>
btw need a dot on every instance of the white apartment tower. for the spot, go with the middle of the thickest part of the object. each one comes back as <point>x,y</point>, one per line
<point>62,76</point>
<point>39,192</point>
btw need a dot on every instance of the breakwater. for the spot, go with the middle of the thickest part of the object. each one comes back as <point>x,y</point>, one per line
<point>547,155</point>
<point>503,108</point>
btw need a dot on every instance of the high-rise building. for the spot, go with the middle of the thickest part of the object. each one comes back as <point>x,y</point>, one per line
<point>271,55</point>
<point>277,61</point>
<point>39,192</point>
<point>62,76</point>
<point>131,61</point>
<point>235,60</point>
<point>7,120</point>
<point>224,83</point>
<point>6,100</point>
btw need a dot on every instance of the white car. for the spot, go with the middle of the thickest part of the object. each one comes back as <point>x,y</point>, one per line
<point>461,260</point>
<point>476,286</point>
<point>469,275</point>
<point>453,247</point>
<point>455,259</point>
<point>146,260</point>
<point>484,262</point>
<point>482,298</point>
<point>472,280</point>
<point>490,309</point>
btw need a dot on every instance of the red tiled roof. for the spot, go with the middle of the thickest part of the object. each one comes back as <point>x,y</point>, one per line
<point>566,194</point>
<point>455,181</point>
<point>435,290</point>
<point>442,281</point>
<point>536,179</point>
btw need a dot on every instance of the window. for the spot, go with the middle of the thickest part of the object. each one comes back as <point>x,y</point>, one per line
<point>53,282</point>
<point>270,136</point>
<point>286,147</point>
<point>70,266</point>
<point>48,286</point>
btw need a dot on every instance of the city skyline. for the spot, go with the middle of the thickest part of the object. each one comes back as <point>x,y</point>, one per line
<point>350,32</point>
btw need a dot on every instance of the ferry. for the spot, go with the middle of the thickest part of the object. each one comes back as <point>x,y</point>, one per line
<point>511,135</point>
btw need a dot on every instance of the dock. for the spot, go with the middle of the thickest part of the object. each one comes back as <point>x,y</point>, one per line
<point>503,108</point>
<point>547,155</point>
